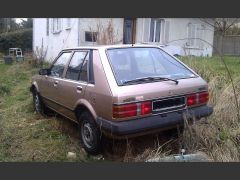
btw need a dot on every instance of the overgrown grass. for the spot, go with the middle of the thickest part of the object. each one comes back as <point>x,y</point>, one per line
<point>219,135</point>
<point>27,136</point>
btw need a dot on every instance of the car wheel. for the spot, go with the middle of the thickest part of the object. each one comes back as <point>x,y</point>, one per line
<point>89,134</point>
<point>38,104</point>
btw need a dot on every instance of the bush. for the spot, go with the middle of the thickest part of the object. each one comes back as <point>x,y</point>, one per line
<point>21,39</point>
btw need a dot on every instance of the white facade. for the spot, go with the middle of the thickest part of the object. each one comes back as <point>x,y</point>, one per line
<point>54,34</point>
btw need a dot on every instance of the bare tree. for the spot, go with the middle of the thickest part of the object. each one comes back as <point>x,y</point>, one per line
<point>105,34</point>
<point>221,27</point>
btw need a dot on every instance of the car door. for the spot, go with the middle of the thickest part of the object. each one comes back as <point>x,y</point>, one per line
<point>72,86</point>
<point>50,83</point>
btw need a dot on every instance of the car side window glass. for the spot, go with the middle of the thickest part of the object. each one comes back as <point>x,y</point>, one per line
<point>75,65</point>
<point>84,70</point>
<point>58,67</point>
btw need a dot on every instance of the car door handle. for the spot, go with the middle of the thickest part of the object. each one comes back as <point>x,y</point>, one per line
<point>55,83</point>
<point>79,89</point>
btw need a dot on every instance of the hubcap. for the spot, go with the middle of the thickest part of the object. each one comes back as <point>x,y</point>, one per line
<point>87,134</point>
<point>37,103</point>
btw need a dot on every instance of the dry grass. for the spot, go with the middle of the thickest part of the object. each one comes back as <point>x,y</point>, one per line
<point>218,136</point>
<point>26,136</point>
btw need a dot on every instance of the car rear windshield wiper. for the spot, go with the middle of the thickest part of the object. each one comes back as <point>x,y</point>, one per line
<point>151,78</point>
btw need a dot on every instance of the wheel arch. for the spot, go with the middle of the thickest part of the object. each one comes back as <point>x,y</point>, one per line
<point>82,106</point>
<point>34,86</point>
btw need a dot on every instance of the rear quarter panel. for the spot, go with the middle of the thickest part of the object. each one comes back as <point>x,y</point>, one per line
<point>99,94</point>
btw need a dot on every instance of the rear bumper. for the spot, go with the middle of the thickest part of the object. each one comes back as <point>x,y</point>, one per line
<point>152,123</point>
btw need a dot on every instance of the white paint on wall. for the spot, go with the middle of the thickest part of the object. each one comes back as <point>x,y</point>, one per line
<point>75,34</point>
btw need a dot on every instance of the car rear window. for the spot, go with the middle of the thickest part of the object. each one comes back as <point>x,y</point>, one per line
<point>139,62</point>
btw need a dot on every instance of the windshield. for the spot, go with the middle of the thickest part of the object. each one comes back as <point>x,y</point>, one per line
<point>141,62</point>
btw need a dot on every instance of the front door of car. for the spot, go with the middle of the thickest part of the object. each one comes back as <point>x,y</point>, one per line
<point>72,86</point>
<point>50,84</point>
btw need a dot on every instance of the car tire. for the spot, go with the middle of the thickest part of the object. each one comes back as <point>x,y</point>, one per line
<point>38,104</point>
<point>90,135</point>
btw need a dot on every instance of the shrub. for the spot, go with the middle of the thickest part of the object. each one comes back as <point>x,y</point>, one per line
<point>21,39</point>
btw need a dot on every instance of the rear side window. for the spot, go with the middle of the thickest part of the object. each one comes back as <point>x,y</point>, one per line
<point>84,70</point>
<point>58,67</point>
<point>75,65</point>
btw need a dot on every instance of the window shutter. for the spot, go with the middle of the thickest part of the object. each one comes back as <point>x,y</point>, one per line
<point>166,31</point>
<point>47,26</point>
<point>151,34</point>
<point>158,30</point>
<point>52,20</point>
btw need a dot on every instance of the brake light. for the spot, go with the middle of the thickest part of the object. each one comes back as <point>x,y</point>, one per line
<point>131,110</point>
<point>192,100</point>
<point>203,97</point>
<point>146,107</point>
<point>121,111</point>
<point>198,98</point>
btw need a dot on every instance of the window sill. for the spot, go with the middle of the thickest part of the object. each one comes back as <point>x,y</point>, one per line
<point>57,32</point>
<point>193,47</point>
<point>68,28</point>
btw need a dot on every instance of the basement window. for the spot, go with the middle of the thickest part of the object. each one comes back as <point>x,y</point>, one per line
<point>56,25</point>
<point>90,36</point>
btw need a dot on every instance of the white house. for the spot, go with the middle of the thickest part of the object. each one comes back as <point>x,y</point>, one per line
<point>54,34</point>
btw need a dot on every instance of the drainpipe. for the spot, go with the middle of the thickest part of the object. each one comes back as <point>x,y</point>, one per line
<point>78,32</point>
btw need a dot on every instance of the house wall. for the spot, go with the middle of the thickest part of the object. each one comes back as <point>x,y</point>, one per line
<point>178,34</point>
<point>75,36</point>
<point>54,42</point>
<point>181,33</point>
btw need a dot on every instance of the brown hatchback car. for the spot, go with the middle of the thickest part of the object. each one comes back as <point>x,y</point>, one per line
<point>120,90</point>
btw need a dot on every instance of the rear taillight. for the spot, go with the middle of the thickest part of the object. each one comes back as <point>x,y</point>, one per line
<point>192,100</point>
<point>198,98</point>
<point>203,97</point>
<point>146,107</point>
<point>127,110</point>
<point>131,110</point>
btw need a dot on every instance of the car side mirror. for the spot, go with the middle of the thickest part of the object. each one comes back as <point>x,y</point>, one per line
<point>44,71</point>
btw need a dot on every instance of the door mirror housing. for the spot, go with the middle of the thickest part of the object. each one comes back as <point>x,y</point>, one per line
<point>44,72</point>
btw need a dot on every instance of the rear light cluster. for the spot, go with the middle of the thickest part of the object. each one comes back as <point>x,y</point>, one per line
<point>133,109</point>
<point>197,99</point>
<point>143,108</point>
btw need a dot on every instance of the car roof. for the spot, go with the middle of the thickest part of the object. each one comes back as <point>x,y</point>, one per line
<point>111,46</point>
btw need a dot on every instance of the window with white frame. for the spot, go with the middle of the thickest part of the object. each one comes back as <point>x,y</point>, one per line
<point>68,23</point>
<point>159,30</point>
<point>195,34</point>
<point>56,25</point>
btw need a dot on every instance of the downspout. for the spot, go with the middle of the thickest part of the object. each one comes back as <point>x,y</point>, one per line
<point>143,29</point>
<point>78,32</point>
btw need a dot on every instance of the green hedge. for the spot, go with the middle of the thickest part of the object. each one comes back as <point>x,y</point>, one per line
<point>19,39</point>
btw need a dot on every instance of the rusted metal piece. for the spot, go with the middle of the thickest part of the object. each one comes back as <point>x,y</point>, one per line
<point>196,157</point>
